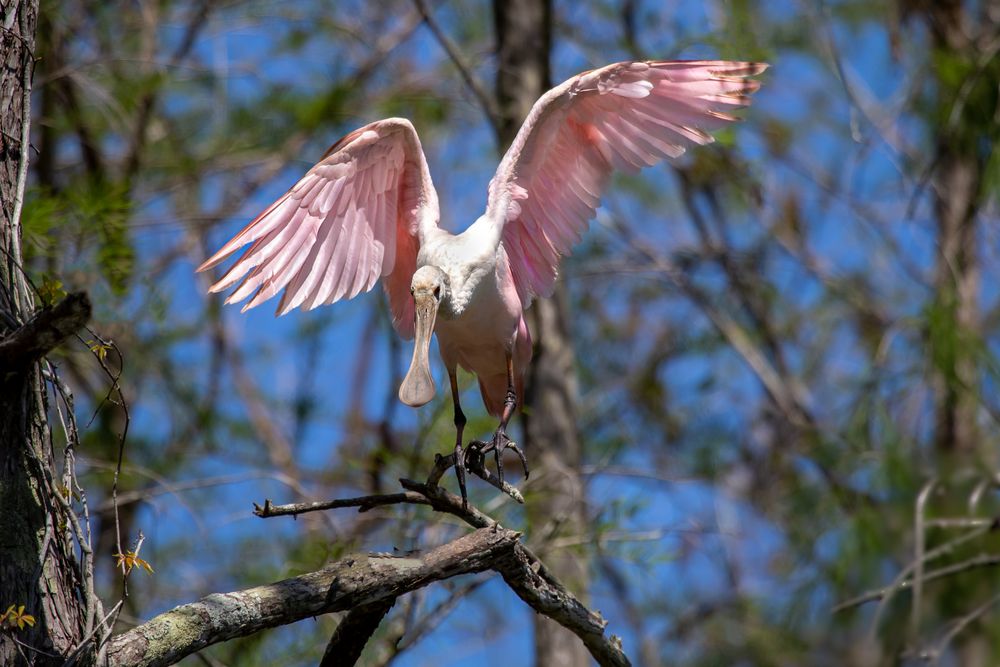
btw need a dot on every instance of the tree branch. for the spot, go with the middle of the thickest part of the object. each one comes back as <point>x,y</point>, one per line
<point>523,571</point>
<point>416,494</point>
<point>486,102</point>
<point>530,579</point>
<point>527,576</point>
<point>353,632</point>
<point>44,332</point>
<point>363,503</point>
<point>352,582</point>
<point>981,560</point>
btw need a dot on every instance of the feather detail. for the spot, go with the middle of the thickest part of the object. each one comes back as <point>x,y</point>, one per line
<point>624,116</point>
<point>340,228</point>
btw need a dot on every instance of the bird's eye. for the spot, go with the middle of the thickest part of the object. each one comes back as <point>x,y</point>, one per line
<point>437,292</point>
<point>411,291</point>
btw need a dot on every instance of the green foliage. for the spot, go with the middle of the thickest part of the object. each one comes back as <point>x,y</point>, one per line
<point>51,290</point>
<point>91,215</point>
<point>964,99</point>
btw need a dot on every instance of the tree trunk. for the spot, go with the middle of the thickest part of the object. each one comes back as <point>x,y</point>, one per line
<point>958,178</point>
<point>38,568</point>
<point>957,285</point>
<point>960,36</point>
<point>524,38</point>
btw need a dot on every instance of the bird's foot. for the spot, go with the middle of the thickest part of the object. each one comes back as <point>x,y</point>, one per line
<point>460,455</point>
<point>499,444</point>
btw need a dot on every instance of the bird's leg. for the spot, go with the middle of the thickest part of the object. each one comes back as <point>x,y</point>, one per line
<point>501,443</point>
<point>459,428</point>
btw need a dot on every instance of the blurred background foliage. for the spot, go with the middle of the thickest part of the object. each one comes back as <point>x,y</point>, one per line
<point>787,341</point>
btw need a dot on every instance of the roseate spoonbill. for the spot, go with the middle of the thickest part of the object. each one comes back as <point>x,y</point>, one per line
<point>369,209</point>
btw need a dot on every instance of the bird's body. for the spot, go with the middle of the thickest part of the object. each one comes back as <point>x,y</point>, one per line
<point>483,317</point>
<point>368,209</point>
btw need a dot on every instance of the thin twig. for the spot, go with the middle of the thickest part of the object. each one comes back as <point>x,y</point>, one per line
<point>959,625</point>
<point>902,579</point>
<point>919,542</point>
<point>523,571</point>
<point>484,99</point>
<point>982,560</point>
<point>22,165</point>
<point>363,503</point>
<point>475,466</point>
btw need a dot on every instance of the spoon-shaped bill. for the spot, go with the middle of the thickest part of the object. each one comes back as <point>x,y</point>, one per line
<point>418,385</point>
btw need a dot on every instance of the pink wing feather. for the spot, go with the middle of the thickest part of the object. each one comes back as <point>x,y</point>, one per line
<point>624,116</point>
<point>352,218</point>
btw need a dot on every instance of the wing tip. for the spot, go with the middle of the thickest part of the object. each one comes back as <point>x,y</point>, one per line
<point>287,304</point>
<point>741,69</point>
<point>727,68</point>
<point>257,299</point>
<point>212,261</point>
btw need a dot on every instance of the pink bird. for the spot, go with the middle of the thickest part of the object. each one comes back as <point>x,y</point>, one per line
<point>368,209</point>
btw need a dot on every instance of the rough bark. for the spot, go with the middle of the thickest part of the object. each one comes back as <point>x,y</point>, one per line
<point>38,569</point>
<point>531,580</point>
<point>524,36</point>
<point>523,571</point>
<point>352,582</point>
<point>41,334</point>
<point>353,632</point>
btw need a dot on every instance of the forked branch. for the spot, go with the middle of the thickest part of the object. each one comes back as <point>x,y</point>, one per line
<point>523,571</point>
<point>367,585</point>
<point>351,582</point>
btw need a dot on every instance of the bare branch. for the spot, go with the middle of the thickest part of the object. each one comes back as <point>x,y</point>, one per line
<point>523,571</point>
<point>982,560</point>
<point>530,579</point>
<point>484,99</point>
<point>353,632</point>
<point>474,463</point>
<point>959,625</point>
<point>45,331</point>
<point>363,503</point>
<point>353,581</point>
<point>417,494</point>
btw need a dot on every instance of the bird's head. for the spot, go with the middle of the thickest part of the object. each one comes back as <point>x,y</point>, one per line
<point>429,282</point>
<point>429,287</point>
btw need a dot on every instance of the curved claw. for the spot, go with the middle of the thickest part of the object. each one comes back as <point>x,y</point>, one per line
<point>520,455</point>
<point>500,443</point>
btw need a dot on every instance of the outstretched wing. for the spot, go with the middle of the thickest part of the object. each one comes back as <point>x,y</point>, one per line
<point>352,218</point>
<point>626,116</point>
